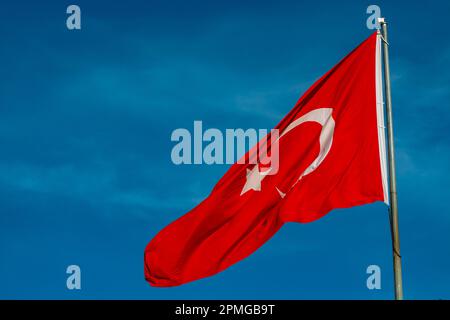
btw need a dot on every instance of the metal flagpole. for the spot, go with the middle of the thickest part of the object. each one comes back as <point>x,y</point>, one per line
<point>393,210</point>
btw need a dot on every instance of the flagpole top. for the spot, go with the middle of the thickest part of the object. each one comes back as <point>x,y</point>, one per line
<point>382,21</point>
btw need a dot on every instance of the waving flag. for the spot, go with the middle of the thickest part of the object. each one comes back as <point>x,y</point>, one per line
<point>331,155</point>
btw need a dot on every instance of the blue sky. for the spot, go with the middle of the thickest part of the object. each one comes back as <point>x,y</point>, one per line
<point>85,123</point>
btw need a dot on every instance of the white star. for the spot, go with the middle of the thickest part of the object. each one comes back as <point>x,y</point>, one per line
<point>254,178</point>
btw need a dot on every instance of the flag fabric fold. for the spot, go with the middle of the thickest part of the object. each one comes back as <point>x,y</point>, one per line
<point>331,155</point>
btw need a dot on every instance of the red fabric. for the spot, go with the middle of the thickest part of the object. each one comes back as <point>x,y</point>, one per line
<point>227,226</point>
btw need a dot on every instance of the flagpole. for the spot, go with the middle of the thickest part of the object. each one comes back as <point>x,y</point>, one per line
<point>393,209</point>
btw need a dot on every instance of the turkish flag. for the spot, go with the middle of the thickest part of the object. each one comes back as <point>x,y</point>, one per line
<point>331,155</point>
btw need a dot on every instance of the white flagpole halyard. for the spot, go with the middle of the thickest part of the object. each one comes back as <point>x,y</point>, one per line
<point>393,209</point>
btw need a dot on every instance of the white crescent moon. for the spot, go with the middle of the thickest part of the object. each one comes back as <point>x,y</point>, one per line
<point>322,116</point>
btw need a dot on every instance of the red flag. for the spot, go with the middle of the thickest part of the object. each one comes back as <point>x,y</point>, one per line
<point>331,155</point>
